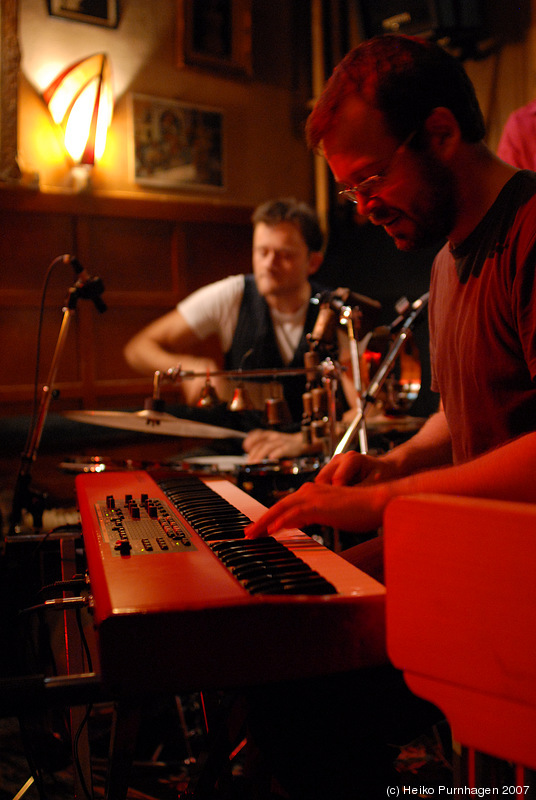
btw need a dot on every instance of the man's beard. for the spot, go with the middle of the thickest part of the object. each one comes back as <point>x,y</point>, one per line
<point>434,213</point>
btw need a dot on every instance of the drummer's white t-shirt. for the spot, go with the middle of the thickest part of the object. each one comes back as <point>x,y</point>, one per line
<point>214,309</point>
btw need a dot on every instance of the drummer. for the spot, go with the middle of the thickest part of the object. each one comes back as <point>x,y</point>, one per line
<point>261,321</point>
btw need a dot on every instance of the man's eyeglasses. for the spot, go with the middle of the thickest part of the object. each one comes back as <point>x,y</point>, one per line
<point>370,185</point>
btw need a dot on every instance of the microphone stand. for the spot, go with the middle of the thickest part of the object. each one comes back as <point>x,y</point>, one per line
<point>23,496</point>
<point>346,319</point>
<point>382,373</point>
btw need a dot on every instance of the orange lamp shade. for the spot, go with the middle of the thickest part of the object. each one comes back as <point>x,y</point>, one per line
<point>80,101</point>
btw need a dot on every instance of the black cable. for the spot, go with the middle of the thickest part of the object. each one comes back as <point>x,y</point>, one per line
<point>89,709</point>
<point>76,757</point>
<point>63,259</point>
<point>66,603</point>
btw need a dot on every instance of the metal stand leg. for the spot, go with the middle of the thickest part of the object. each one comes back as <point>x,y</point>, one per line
<point>125,728</point>
<point>75,665</point>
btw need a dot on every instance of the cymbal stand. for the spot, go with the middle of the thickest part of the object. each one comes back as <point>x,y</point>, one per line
<point>383,371</point>
<point>85,287</point>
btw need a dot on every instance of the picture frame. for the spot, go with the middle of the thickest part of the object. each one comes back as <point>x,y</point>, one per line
<point>176,145</point>
<point>215,35</point>
<point>93,12</point>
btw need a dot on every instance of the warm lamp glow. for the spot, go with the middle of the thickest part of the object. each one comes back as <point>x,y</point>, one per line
<point>80,100</point>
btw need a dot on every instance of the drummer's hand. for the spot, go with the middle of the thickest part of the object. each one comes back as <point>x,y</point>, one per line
<point>353,509</point>
<point>350,468</point>
<point>262,444</point>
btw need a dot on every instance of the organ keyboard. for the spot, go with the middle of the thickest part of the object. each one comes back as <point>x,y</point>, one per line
<point>182,601</point>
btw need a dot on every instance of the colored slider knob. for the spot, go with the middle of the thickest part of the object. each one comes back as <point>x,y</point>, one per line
<point>123,546</point>
<point>134,511</point>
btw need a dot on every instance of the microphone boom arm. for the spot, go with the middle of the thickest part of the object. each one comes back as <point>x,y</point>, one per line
<point>382,373</point>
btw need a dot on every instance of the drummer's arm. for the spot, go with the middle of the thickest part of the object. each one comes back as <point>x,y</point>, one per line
<point>161,345</point>
<point>167,343</point>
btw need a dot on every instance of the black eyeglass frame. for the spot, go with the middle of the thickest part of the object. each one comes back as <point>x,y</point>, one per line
<point>366,187</point>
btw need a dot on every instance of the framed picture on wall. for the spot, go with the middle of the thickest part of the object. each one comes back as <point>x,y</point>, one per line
<point>95,12</point>
<point>215,35</point>
<point>176,145</point>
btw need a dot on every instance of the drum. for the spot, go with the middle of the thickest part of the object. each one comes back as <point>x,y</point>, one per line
<point>85,463</point>
<point>269,481</point>
<point>228,465</point>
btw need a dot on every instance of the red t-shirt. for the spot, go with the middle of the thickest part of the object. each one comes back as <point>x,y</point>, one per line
<point>483,325</point>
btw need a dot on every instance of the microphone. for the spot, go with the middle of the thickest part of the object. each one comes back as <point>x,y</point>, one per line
<point>406,310</point>
<point>86,286</point>
<point>332,302</point>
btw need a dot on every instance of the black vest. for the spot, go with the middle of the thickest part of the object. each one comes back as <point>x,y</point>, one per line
<point>255,332</point>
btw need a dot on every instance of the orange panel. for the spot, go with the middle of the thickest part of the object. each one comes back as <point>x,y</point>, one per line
<point>461,614</point>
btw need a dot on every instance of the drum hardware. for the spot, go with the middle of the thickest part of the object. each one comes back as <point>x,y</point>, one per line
<point>307,400</point>
<point>402,329</point>
<point>84,288</point>
<point>319,419</point>
<point>357,313</point>
<point>276,410</point>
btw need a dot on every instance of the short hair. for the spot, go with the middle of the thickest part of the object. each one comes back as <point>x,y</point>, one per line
<point>287,209</point>
<point>405,78</point>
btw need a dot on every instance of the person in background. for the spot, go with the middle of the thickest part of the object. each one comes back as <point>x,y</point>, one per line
<point>262,322</point>
<point>517,145</point>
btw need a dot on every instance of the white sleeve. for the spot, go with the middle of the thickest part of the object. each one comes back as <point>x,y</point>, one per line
<point>214,309</point>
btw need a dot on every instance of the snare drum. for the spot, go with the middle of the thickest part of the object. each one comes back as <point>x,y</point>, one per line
<point>86,463</point>
<point>214,465</point>
<point>269,481</point>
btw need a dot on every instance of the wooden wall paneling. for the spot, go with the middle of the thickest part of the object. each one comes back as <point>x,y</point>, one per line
<point>148,253</point>
<point>133,259</point>
<point>30,242</point>
<point>178,261</point>
<point>85,315</point>
<point>215,251</point>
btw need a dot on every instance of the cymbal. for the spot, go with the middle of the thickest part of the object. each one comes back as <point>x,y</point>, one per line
<point>383,423</point>
<point>153,422</point>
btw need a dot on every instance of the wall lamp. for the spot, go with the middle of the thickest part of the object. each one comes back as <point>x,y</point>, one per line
<point>80,101</point>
